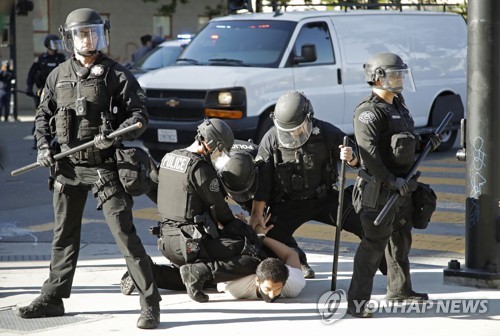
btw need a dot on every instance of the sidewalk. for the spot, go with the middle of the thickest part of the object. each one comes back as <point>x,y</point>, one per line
<point>97,307</point>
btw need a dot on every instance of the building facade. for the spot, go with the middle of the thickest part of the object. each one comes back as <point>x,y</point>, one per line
<point>130,19</point>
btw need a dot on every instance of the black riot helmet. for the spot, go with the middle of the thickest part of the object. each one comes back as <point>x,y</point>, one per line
<point>238,176</point>
<point>216,134</point>
<point>292,117</point>
<point>52,42</point>
<point>391,71</point>
<point>85,32</point>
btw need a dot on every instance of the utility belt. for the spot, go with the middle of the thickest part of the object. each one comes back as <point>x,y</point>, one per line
<point>202,223</point>
<point>318,193</point>
<point>93,155</point>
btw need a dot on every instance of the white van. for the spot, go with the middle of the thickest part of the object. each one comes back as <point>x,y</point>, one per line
<point>237,67</point>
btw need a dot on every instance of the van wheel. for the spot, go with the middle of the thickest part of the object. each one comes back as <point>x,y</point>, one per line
<point>447,140</point>
<point>266,124</point>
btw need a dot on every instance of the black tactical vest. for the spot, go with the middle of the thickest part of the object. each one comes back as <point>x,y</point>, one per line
<point>46,63</point>
<point>304,173</point>
<point>397,141</point>
<point>175,188</point>
<point>80,102</point>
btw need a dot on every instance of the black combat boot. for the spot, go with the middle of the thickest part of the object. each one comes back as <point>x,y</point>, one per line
<point>307,271</point>
<point>410,296</point>
<point>194,277</point>
<point>43,306</point>
<point>150,316</point>
<point>127,286</point>
<point>359,312</point>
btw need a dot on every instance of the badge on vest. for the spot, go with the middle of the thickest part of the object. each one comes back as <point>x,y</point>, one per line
<point>175,162</point>
<point>97,70</point>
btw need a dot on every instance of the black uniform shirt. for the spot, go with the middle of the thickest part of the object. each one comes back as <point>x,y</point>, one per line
<point>332,136</point>
<point>41,68</point>
<point>375,121</point>
<point>209,191</point>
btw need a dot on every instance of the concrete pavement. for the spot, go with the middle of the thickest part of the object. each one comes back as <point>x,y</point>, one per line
<point>97,307</point>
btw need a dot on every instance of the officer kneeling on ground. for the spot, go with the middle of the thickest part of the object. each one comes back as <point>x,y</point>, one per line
<point>278,276</point>
<point>77,96</point>
<point>192,206</point>
<point>385,133</point>
<point>298,173</point>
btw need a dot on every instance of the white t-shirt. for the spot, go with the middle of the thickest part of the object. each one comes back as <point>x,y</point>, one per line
<point>246,288</point>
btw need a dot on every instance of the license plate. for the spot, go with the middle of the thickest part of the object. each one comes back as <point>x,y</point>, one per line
<point>167,135</point>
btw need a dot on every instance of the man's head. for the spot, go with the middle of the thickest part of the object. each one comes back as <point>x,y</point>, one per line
<point>387,71</point>
<point>84,32</point>
<point>292,117</point>
<point>238,175</point>
<point>145,39</point>
<point>272,275</point>
<point>53,43</point>
<point>216,137</point>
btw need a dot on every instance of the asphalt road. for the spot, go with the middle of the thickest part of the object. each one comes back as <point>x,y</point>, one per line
<point>26,204</point>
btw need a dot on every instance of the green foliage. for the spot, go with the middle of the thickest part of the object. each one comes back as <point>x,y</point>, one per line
<point>169,9</point>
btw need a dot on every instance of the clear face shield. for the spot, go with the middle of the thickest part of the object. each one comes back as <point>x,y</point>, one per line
<point>294,137</point>
<point>56,45</point>
<point>396,80</point>
<point>86,40</point>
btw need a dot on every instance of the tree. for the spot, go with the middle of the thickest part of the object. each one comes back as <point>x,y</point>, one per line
<point>167,10</point>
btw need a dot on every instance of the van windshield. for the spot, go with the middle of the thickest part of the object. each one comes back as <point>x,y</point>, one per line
<point>251,43</point>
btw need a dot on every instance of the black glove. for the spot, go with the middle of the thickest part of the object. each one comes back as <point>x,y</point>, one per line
<point>400,185</point>
<point>29,92</point>
<point>45,156</point>
<point>435,140</point>
<point>101,141</point>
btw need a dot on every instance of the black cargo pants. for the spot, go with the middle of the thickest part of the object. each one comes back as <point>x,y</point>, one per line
<point>223,255</point>
<point>73,181</point>
<point>391,238</point>
<point>288,216</point>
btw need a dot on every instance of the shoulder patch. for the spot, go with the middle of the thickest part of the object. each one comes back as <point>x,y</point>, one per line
<point>367,117</point>
<point>176,163</point>
<point>141,94</point>
<point>214,185</point>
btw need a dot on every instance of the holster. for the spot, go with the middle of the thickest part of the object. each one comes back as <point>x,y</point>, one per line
<point>371,189</point>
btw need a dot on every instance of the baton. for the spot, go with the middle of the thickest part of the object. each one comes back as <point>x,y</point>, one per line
<point>338,228</point>
<point>412,171</point>
<point>81,147</point>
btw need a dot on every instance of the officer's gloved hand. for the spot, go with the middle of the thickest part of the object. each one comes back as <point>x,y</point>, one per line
<point>101,141</point>
<point>413,182</point>
<point>45,156</point>
<point>435,140</point>
<point>400,185</point>
<point>29,92</point>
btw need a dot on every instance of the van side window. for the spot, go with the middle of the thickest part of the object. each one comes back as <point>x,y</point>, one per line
<point>316,33</point>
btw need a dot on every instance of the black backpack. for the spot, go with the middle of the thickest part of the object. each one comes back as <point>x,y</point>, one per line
<point>135,167</point>
<point>424,201</point>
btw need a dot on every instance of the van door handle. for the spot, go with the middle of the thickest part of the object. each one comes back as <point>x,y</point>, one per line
<point>339,76</point>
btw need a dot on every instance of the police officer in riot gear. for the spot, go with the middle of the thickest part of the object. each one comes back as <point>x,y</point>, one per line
<point>192,205</point>
<point>385,133</point>
<point>299,171</point>
<point>42,67</point>
<point>74,109</point>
